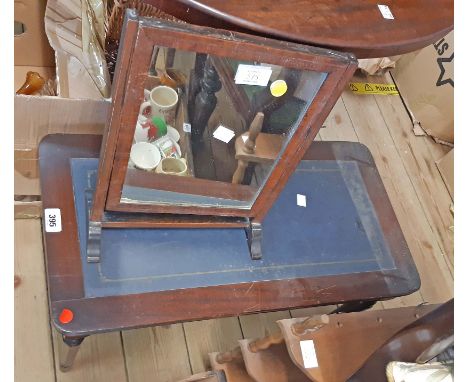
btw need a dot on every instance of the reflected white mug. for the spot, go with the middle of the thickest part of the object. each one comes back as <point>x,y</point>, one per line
<point>172,166</point>
<point>162,100</point>
<point>145,156</point>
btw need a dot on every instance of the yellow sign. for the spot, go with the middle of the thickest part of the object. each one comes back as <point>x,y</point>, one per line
<point>367,88</point>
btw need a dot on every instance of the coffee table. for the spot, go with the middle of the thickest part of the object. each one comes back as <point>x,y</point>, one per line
<point>331,238</point>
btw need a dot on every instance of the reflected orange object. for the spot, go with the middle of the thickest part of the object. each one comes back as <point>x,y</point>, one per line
<point>172,77</point>
<point>168,81</point>
<point>34,82</point>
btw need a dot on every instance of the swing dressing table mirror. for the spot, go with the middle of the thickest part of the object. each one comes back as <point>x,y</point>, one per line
<point>240,113</point>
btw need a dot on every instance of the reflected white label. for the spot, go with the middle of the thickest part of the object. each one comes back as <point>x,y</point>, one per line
<point>223,134</point>
<point>252,75</point>
<point>187,127</point>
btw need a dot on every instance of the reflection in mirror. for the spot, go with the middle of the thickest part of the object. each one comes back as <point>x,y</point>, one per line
<point>210,129</point>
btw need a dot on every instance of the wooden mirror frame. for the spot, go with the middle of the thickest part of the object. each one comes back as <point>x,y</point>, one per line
<point>139,36</point>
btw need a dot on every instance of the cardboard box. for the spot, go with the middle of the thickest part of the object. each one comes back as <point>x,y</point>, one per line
<point>35,117</point>
<point>31,47</point>
<point>446,167</point>
<point>425,80</point>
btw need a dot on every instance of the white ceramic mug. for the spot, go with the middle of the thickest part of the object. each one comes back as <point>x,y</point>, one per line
<point>172,166</point>
<point>145,156</point>
<point>162,100</point>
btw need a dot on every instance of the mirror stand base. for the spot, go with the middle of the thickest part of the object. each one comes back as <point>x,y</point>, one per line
<point>94,231</point>
<point>254,237</point>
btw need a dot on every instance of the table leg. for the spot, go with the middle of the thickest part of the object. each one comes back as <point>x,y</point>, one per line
<point>68,351</point>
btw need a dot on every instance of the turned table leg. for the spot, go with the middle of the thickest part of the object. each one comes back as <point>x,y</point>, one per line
<point>68,351</point>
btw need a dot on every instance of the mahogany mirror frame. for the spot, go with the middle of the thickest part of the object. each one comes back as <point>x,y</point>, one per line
<point>139,36</point>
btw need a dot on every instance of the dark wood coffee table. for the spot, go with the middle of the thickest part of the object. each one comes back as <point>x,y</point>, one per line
<point>346,246</point>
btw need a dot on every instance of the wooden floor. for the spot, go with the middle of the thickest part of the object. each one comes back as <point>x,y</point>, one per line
<point>162,354</point>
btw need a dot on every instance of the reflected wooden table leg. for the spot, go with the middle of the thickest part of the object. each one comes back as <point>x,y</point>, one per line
<point>68,351</point>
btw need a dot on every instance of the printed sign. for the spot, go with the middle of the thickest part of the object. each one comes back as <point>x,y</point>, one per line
<point>367,88</point>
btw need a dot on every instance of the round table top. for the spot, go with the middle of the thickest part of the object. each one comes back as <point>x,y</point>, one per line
<point>359,27</point>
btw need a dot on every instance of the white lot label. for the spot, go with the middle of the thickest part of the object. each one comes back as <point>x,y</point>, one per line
<point>308,354</point>
<point>187,127</point>
<point>53,220</point>
<point>301,200</point>
<point>252,75</point>
<point>223,134</point>
<point>385,11</point>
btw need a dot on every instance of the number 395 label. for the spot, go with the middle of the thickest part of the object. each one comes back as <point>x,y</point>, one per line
<point>53,220</point>
<point>252,75</point>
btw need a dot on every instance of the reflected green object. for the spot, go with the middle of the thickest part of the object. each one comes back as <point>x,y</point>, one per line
<point>161,124</point>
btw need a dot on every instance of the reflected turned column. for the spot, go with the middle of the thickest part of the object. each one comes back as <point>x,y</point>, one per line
<point>205,101</point>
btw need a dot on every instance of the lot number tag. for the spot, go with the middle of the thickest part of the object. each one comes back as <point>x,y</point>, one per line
<point>253,75</point>
<point>53,220</point>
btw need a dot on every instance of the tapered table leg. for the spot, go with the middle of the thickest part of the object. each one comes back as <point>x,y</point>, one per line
<point>69,351</point>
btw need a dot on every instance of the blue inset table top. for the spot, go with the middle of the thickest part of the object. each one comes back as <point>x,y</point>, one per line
<point>337,232</point>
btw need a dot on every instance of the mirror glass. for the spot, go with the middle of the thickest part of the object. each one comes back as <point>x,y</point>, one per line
<point>210,129</point>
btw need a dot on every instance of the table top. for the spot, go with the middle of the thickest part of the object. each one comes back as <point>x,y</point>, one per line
<point>345,245</point>
<point>353,26</point>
